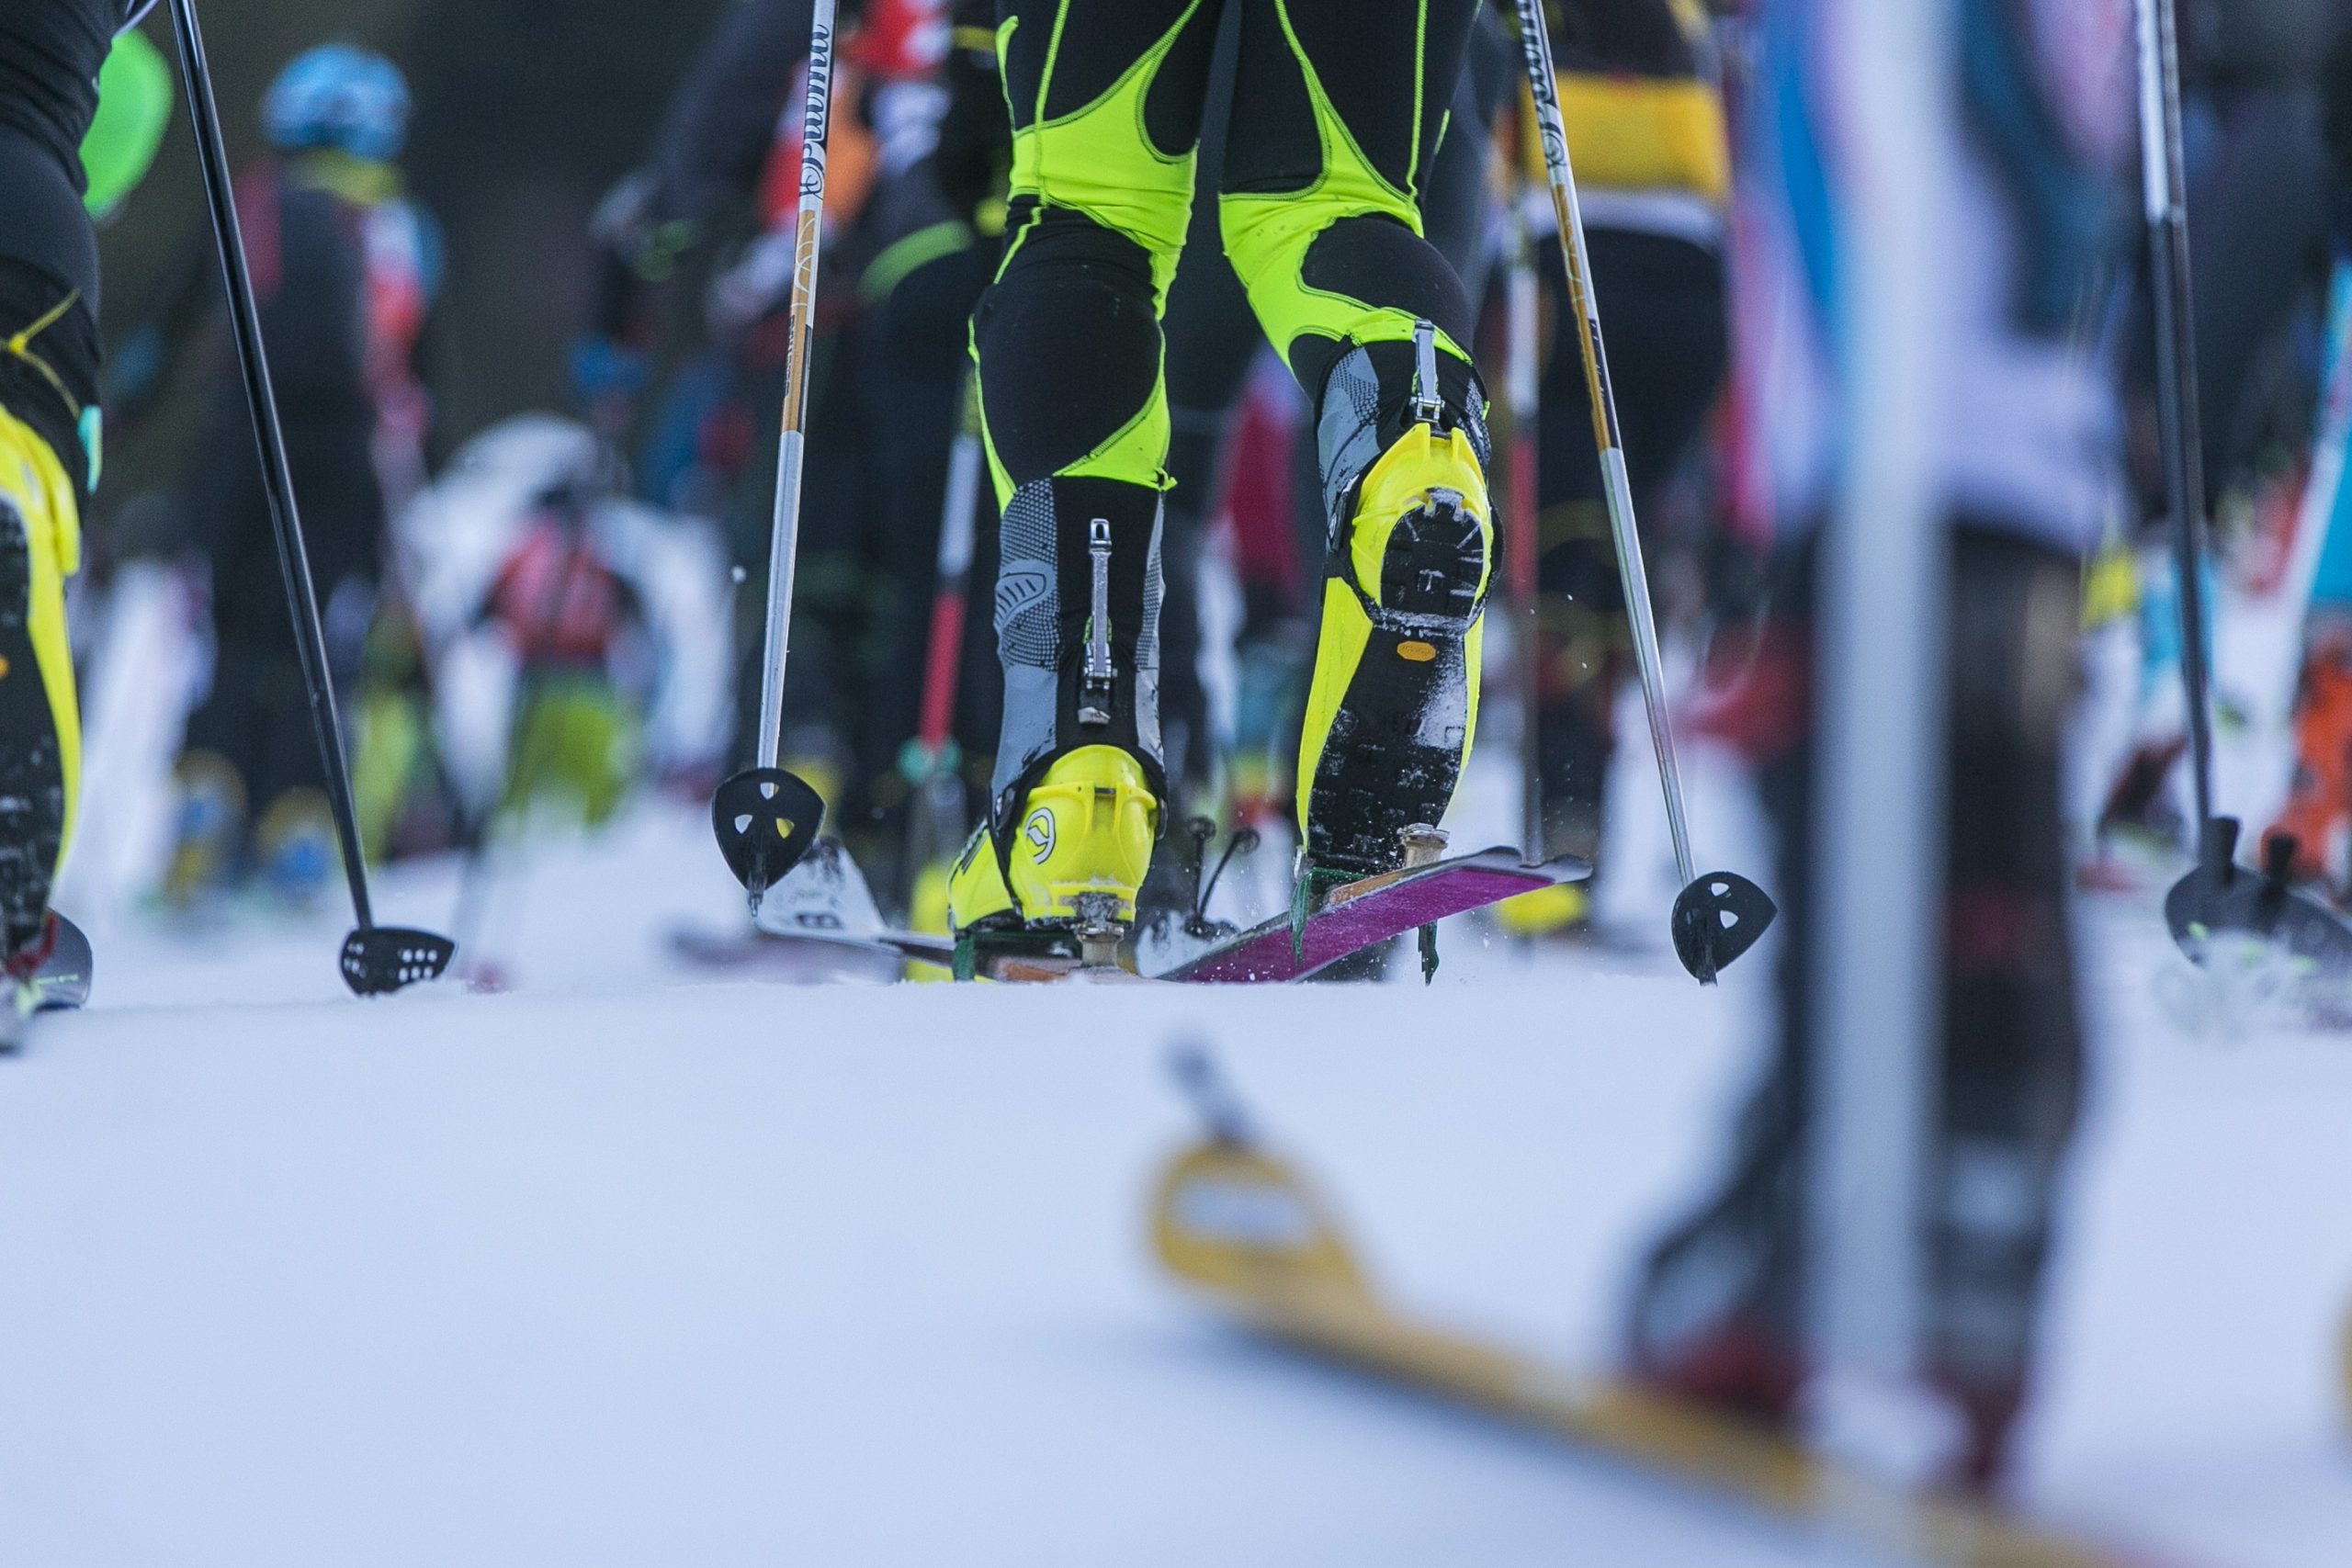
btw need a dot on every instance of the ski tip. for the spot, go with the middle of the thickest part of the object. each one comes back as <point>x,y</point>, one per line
<point>1234,1220</point>
<point>1716,920</point>
<point>379,960</point>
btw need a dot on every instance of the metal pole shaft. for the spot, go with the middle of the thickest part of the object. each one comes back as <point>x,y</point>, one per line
<point>1878,814</point>
<point>1536,42</point>
<point>791,442</point>
<point>2165,189</point>
<point>1521,379</point>
<point>277,478</point>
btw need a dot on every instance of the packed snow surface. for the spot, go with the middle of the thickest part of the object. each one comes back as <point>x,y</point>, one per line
<point>630,1267</point>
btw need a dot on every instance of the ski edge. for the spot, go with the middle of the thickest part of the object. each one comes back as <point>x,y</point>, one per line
<point>703,948</point>
<point>1205,968</point>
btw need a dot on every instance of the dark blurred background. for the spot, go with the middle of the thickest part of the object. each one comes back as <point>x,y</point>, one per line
<point>526,112</point>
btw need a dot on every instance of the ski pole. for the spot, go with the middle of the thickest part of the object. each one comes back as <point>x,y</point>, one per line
<point>376,959</point>
<point>1521,382</point>
<point>1717,916</point>
<point>2216,897</point>
<point>2164,187</point>
<point>766,818</point>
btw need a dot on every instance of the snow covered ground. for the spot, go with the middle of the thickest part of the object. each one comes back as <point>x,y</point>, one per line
<point>629,1268</point>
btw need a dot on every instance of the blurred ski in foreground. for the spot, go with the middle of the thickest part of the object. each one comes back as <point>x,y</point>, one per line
<point>1234,1221</point>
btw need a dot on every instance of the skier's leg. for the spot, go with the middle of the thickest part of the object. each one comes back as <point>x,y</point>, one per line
<point>1106,108</point>
<point>2023,421</point>
<point>1717,1311</point>
<point>921,316</point>
<point>1457,198</point>
<point>2257,215</point>
<point>1719,1314</point>
<point>1667,326</point>
<point>1212,343</point>
<point>1337,108</point>
<point>341,501</point>
<point>2013,1046</point>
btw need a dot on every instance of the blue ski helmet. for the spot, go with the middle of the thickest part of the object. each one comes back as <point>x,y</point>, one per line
<point>341,96</point>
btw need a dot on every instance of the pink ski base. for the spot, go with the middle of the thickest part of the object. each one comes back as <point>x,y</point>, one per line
<point>1347,925</point>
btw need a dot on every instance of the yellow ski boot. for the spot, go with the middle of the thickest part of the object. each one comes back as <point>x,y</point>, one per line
<point>1394,696</point>
<point>40,736</point>
<point>1560,909</point>
<point>1076,858</point>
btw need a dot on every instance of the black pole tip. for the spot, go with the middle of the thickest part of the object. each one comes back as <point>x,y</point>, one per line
<point>2278,859</point>
<point>2223,903</point>
<point>765,819</point>
<point>1716,918</point>
<point>1194,1067</point>
<point>2219,850</point>
<point>379,960</point>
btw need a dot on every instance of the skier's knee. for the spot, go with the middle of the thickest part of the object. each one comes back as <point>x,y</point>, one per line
<point>1070,354</point>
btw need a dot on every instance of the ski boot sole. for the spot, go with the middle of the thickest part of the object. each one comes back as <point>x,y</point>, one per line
<point>32,776</point>
<point>1395,748</point>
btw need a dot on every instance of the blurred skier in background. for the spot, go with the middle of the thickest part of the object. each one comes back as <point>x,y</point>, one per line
<point>2025,457</point>
<point>344,271</point>
<point>904,258</point>
<point>568,617</point>
<point>2259,223</point>
<point>2319,803</point>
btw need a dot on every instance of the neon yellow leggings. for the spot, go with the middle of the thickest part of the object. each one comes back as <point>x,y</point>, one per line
<point>1338,106</point>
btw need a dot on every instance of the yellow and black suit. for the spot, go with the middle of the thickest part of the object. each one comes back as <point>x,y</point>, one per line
<point>1337,108</point>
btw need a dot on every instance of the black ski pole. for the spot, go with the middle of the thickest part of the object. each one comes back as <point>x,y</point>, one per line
<point>376,959</point>
<point>2179,421</point>
<point>1716,917</point>
<point>766,819</point>
<point>2218,895</point>
<point>1523,394</point>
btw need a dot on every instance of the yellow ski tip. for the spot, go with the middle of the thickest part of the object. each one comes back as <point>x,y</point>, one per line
<point>1230,1218</point>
